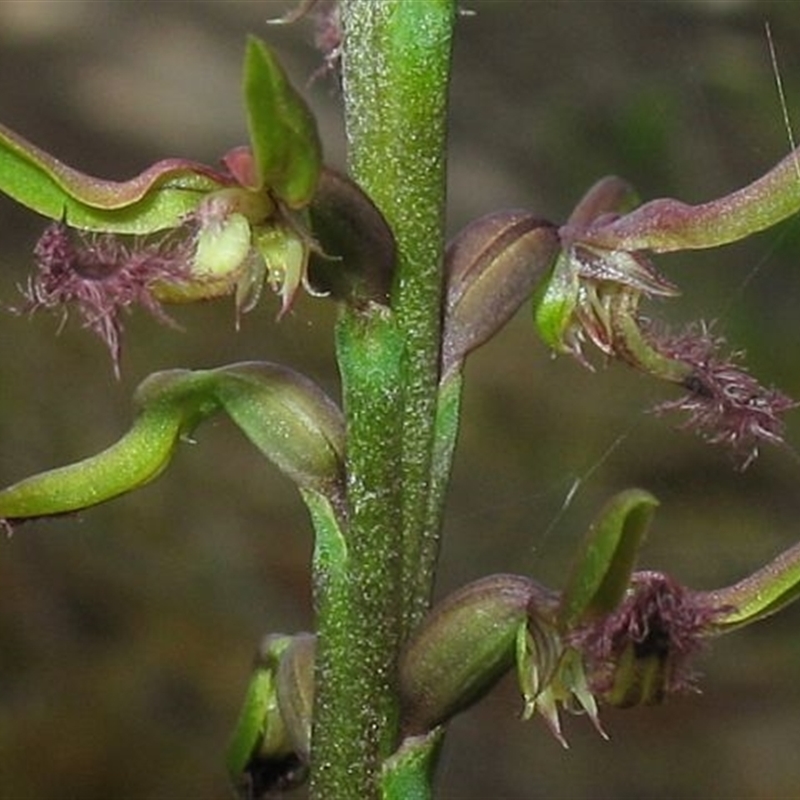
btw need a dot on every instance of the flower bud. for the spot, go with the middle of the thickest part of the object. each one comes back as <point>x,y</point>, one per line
<point>463,647</point>
<point>261,757</point>
<point>492,267</point>
<point>295,691</point>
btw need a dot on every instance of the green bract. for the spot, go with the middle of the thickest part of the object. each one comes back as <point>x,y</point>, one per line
<point>463,646</point>
<point>491,266</point>
<point>408,773</point>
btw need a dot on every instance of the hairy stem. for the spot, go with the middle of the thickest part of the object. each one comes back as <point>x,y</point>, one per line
<point>357,593</point>
<point>396,67</point>
<point>397,64</point>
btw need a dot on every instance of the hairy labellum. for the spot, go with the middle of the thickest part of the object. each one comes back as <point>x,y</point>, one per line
<point>640,652</point>
<point>725,404</point>
<point>99,276</point>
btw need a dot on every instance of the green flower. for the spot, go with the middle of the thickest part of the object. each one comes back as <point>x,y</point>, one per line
<point>194,232</point>
<point>613,636</point>
<point>594,291</point>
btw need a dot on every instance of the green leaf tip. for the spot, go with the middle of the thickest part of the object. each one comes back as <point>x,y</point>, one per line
<point>283,133</point>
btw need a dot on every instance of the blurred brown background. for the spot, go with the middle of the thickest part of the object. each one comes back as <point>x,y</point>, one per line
<point>126,634</point>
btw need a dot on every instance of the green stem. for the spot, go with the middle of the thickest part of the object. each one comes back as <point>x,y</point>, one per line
<point>396,67</point>
<point>448,417</point>
<point>397,62</point>
<point>357,590</point>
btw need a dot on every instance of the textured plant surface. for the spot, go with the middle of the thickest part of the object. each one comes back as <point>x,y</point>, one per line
<point>358,703</point>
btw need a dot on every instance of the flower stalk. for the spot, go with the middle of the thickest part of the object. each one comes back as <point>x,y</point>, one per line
<point>395,75</point>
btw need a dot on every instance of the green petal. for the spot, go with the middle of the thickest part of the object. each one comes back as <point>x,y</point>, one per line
<point>283,133</point>
<point>156,199</point>
<point>601,572</point>
<point>554,303</point>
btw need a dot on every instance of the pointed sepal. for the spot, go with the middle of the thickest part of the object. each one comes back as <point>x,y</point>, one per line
<point>283,134</point>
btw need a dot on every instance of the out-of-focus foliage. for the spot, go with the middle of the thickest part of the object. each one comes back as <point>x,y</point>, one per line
<point>126,634</point>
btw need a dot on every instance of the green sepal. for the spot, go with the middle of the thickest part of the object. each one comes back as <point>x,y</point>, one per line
<point>283,413</point>
<point>550,675</point>
<point>556,298</point>
<point>283,252</point>
<point>259,729</point>
<point>158,198</point>
<point>667,225</point>
<point>764,593</point>
<point>408,774</point>
<point>283,133</point>
<point>605,560</point>
<point>169,409</point>
<point>555,301</point>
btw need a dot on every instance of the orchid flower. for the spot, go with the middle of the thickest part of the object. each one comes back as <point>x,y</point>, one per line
<point>198,232</point>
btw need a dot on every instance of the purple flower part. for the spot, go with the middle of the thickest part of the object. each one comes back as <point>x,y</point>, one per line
<point>328,35</point>
<point>99,276</point>
<point>725,404</point>
<point>659,619</point>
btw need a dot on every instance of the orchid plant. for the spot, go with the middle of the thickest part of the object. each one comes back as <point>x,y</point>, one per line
<point>360,706</point>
